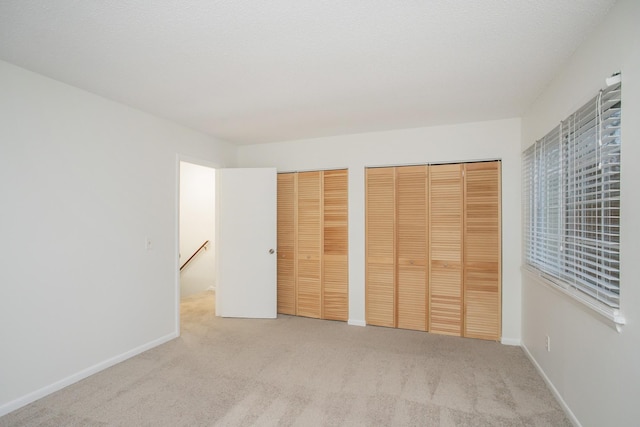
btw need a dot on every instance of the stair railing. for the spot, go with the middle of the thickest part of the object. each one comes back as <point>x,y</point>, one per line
<point>203,246</point>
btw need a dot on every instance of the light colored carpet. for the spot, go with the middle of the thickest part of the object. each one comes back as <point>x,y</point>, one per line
<point>304,372</point>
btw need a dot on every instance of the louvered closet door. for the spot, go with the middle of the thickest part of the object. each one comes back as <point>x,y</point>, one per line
<point>446,222</point>
<point>411,211</point>
<point>286,243</point>
<point>309,244</point>
<point>335,260</point>
<point>380,245</point>
<point>482,251</point>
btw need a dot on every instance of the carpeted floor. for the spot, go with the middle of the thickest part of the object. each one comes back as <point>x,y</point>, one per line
<point>304,372</point>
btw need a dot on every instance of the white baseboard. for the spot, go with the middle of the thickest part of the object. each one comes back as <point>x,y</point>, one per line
<point>58,385</point>
<point>511,341</point>
<point>353,322</point>
<point>555,392</point>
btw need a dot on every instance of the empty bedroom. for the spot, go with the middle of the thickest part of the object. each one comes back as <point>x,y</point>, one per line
<point>319,213</point>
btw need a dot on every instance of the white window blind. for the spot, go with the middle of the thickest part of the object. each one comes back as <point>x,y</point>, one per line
<point>571,202</point>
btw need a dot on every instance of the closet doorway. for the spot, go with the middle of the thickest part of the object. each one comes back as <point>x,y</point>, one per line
<point>313,265</point>
<point>433,248</point>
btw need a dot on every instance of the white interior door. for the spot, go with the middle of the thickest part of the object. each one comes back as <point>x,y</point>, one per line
<point>246,243</point>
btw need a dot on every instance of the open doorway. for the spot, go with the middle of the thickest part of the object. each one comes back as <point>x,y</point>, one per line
<point>197,205</point>
<point>242,241</point>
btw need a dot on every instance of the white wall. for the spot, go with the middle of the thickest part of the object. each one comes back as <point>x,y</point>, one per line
<point>197,225</point>
<point>594,369</point>
<point>83,182</point>
<point>473,141</point>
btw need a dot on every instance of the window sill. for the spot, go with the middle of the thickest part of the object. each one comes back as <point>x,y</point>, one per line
<point>611,315</point>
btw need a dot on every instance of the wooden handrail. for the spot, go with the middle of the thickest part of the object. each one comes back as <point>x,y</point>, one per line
<point>194,254</point>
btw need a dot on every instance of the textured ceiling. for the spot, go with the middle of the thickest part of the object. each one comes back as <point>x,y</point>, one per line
<point>251,71</point>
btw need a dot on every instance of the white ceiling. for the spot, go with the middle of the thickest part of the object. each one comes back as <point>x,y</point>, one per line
<point>251,71</point>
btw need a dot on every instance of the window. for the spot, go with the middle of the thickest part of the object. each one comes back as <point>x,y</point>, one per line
<point>571,202</point>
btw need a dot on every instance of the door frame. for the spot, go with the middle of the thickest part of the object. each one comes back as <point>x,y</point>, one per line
<point>200,162</point>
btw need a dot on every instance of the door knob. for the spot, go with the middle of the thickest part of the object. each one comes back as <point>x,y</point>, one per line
<point>271,251</point>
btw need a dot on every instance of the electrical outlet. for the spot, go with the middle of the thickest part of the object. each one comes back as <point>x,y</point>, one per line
<point>548,344</point>
<point>147,243</point>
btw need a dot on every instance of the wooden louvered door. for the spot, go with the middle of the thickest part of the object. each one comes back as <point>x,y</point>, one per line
<point>433,248</point>
<point>309,244</point>
<point>446,249</point>
<point>380,247</point>
<point>335,262</point>
<point>287,243</point>
<point>411,247</point>
<point>482,253</point>
<point>313,271</point>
